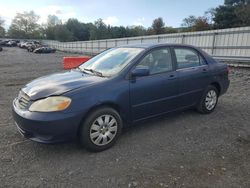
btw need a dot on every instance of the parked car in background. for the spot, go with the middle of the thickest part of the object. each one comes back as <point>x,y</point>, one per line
<point>21,44</point>
<point>27,44</point>
<point>117,88</point>
<point>44,50</point>
<point>11,43</point>
<point>4,42</point>
<point>32,47</point>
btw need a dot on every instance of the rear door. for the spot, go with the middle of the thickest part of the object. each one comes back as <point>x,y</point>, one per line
<point>156,93</point>
<point>193,73</point>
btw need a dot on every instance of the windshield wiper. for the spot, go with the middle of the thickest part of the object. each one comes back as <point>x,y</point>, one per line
<point>78,68</point>
<point>94,72</point>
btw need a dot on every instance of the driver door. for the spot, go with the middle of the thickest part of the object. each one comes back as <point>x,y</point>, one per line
<point>156,93</point>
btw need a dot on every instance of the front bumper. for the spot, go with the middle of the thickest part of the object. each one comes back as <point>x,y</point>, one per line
<point>46,127</point>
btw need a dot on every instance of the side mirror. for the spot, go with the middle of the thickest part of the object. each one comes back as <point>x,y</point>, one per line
<point>140,71</point>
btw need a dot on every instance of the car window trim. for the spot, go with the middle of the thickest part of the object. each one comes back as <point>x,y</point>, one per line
<point>201,57</point>
<point>191,68</point>
<point>156,74</point>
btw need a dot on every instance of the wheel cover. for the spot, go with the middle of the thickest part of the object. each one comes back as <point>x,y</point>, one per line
<point>103,130</point>
<point>211,100</point>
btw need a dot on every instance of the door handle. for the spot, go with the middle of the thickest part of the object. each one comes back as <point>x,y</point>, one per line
<point>204,70</point>
<point>172,77</point>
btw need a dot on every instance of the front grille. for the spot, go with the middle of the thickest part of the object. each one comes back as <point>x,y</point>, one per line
<point>22,100</point>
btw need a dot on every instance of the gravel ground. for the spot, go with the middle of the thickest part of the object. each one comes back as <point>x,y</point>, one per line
<point>186,149</point>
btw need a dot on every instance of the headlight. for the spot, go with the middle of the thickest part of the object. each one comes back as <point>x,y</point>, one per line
<point>50,104</point>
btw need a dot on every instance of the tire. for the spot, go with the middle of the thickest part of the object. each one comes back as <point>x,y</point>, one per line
<point>209,100</point>
<point>96,134</point>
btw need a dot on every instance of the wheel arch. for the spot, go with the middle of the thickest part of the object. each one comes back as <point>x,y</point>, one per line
<point>112,105</point>
<point>217,86</point>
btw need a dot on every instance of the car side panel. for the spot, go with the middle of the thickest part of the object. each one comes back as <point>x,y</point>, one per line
<point>113,92</point>
<point>193,81</point>
<point>220,75</point>
<point>153,95</point>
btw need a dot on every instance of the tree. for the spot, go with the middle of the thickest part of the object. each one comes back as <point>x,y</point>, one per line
<point>189,22</point>
<point>118,32</point>
<point>234,13</point>
<point>53,20</point>
<point>193,23</point>
<point>170,30</point>
<point>24,25</point>
<point>243,13</point>
<point>63,34</point>
<point>99,31</point>
<point>79,30</point>
<point>2,30</point>
<point>134,31</point>
<point>234,2</point>
<point>1,22</point>
<point>49,27</point>
<point>209,15</point>
<point>158,26</point>
<point>225,17</point>
<point>201,24</point>
<point>49,32</point>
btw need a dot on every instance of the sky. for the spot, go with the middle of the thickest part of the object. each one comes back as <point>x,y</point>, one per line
<point>113,12</point>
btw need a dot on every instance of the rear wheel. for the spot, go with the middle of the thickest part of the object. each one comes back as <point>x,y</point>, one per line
<point>209,100</point>
<point>101,129</point>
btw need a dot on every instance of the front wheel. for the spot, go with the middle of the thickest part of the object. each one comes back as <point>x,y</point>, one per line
<point>209,100</point>
<point>101,129</point>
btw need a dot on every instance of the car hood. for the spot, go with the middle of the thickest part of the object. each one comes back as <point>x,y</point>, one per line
<point>57,84</point>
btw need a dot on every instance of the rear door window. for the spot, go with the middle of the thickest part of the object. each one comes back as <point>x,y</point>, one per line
<point>187,58</point>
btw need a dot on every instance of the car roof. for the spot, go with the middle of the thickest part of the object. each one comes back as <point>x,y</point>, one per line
<point>150,45</point>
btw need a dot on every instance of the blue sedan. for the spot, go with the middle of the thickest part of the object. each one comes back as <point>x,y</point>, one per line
<point>118,87</point>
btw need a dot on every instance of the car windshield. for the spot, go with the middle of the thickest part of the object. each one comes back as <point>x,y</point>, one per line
<point>110,62</point>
